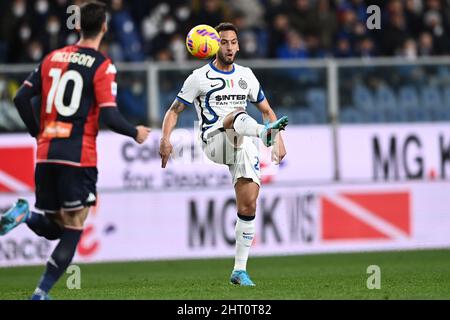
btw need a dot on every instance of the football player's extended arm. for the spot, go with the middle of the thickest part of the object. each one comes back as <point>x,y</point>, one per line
<point>112,118</point>
<point>169,123</point>
<point>22,101</point>
<point>266,110</point>
<point>279,150</point>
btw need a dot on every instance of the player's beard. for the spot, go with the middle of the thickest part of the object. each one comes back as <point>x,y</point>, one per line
<point>224,60</point>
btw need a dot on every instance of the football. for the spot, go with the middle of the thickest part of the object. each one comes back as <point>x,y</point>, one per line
<point>202,41</point>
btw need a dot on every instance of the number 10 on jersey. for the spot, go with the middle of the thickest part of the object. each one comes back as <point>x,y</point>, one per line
<point>58,89</point>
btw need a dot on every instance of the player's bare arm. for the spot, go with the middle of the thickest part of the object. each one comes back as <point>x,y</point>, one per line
<point>278,150</point>
<point>169,123</point>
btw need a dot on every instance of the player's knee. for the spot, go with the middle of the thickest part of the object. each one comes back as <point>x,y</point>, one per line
<point>229,119</point>
<point>74,224</point>
<point>236,113</point>
<point>247,208</point>
<point>73,221</point>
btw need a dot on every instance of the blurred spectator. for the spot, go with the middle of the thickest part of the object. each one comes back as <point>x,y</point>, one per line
<point>125,30</point>
<point>328,22</point>
<point>343,48</point>
<point>35,52</point>
<point>294,48</point>
<point>356,7</point>
<point>10,22</point>
<point>252,10</point>
<point>183,14</point>
<point>426,45</point>
<point>154,31</point>
<point>303,17</point>
<point>360,8</point>
<point>253,41</point>
<point>348,21</point>
<point>164,55</point>
<point>41,14</point>
<point>211,12</point>
<point>394,34</point>
<point>412,15</point>
<point>409,50</point>
<point>21,42</point>
<point>178,48</point>
<point>435,23</point>
<point>314,47</point>
<point>53,38</point>
<point>131,98</point>
<point>366,48</point>
<point>279,29</point>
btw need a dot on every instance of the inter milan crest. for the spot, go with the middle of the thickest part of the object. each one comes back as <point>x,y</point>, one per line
<point>242,84</point>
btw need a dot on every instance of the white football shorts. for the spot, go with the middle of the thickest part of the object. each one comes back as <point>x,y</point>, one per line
<point>242,161</point>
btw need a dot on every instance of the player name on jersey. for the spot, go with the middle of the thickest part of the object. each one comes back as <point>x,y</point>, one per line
<point>74,57</point>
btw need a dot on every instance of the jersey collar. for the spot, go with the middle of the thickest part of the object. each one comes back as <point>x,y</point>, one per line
<point>211,64</point>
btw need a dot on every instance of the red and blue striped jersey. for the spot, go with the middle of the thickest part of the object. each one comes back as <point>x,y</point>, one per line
<point>74,83</point>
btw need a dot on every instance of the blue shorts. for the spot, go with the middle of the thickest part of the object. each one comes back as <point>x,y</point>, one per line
<point>64,187</point>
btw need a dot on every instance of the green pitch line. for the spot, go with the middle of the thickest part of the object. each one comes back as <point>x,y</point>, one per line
<point>404,275</point>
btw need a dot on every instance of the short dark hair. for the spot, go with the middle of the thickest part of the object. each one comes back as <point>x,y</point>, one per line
<point>93,14</point>
<point>226,26</point>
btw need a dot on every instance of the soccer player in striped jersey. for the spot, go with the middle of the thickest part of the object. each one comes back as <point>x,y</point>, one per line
<point>77,87</point>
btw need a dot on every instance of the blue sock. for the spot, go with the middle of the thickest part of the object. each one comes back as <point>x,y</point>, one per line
<point>43,226</point>
<point>60,259</point>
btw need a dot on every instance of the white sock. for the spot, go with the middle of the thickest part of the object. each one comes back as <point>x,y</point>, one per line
<point>245,231</point>
<point>245,125</point>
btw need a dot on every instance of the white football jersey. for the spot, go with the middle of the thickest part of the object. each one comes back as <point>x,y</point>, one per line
<point>217,93</point>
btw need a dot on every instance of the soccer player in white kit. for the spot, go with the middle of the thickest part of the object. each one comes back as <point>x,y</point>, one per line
<point>219,91</point>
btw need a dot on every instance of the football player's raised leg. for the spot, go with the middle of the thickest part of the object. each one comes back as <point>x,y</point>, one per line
<point>73,222</point>
<point>247,193</point>
<point>14,216</point>
<point>45,226</point>
<point>245,125</point>
<point>48,225</point>
<point>242,123</point>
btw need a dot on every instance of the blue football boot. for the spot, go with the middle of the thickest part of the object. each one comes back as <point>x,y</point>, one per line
<point>267,136</point>
<point>17,214</point>
<point>241,277</point>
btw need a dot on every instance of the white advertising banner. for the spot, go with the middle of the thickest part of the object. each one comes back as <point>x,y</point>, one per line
<point>143,225</point>
<point>394,152</point>
<point>124,164</point>
<point>366,152</point>
<point>188,209</point>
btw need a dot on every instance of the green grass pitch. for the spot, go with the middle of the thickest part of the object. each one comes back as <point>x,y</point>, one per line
<point>404,275</point>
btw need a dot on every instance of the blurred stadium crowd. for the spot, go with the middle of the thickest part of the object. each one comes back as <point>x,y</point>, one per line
<point>143,30</point>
